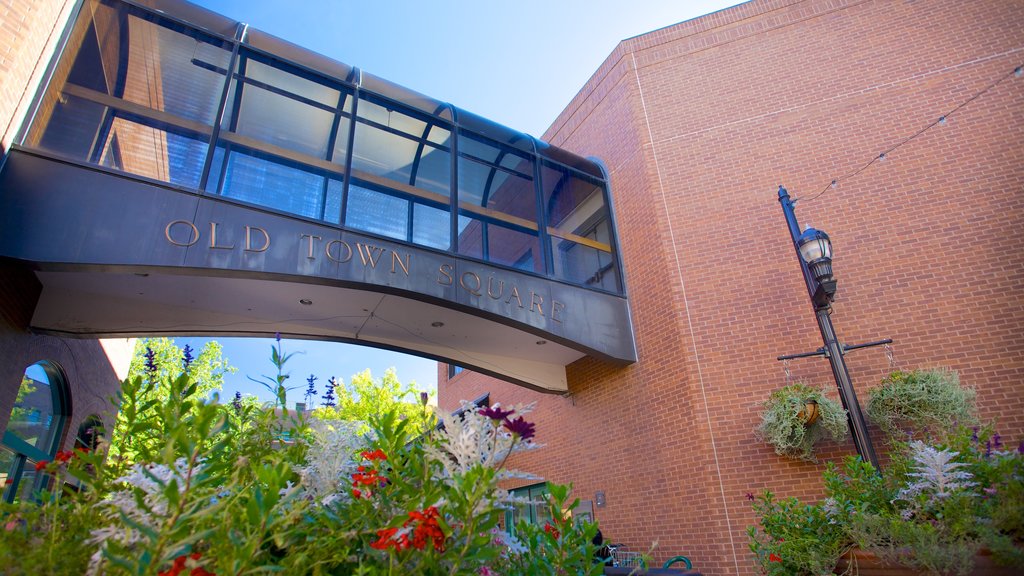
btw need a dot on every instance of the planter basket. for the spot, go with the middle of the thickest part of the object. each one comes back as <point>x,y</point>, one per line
<point>868,564</point>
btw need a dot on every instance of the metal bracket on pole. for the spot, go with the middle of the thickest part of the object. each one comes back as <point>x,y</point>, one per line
<point>824,352</point>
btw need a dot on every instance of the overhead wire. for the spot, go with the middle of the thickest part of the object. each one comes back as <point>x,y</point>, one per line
<point>941,120</point>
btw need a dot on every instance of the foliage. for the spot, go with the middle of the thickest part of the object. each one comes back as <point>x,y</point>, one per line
<point>546,550</point>
<point>795,539</point>
<point>783,423</point>
<point>215,490</point>
<point>934,507</point>
<point>138,433</point>
<point>207,369</point>
<point>365,396</point>
<point>922,400</point>
<point>275,384</point>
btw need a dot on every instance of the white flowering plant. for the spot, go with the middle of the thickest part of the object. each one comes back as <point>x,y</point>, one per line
<point>231,489</point>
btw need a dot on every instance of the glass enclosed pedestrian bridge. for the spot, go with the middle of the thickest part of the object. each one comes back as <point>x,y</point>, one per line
<point>184,173</point>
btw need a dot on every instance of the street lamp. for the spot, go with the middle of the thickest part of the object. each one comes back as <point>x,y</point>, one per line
<point>814,252</point>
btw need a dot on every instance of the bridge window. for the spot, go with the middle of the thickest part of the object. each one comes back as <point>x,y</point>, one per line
<point>33,433</point>
<point>401,175</point>
<point>580,228</point>
<point>497,205</point>
<point>140,93</point>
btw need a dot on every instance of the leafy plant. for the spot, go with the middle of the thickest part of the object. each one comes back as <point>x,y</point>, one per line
<point>213,490</point>
<point>784,422</point>
<point>921,400</point>
<point>794,539</point>
<point>935,506</point>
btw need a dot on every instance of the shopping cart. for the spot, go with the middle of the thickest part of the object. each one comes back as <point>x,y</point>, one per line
<point>626,559</point>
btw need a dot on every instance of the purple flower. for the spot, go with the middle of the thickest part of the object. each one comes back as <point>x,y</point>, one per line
<point>277,336</point>
<point>1020,448</point>
<point>496,413</point>
<point>237,402</point>
<point>990,491</point>
<point>520,428</point>
<point>997,441</point>
<point>750,496</point>
<point>186,357</point>
<point>329,393</point>
<point>310,390</point>
<point>988,448</point>
<point>150,361</point>
<point>974,437</point>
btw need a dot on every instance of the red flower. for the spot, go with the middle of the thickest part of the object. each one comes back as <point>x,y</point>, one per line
<point>65,455</point>
<point>41,464</point>
<point>552,530</point>
<point>384,539</point>
<point>377,454</point>
<point>357,494</point>
<point>425,529</point>
<point>179,566</point>
<point>773,557</point>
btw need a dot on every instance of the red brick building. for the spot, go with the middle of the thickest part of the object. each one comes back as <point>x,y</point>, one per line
<point>697,124</point>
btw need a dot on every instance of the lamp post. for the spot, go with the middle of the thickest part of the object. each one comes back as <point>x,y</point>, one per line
<point>814,252</point>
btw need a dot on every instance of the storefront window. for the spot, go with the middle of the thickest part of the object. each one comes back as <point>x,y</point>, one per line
<point>534,512</point>
<point>36,423</point>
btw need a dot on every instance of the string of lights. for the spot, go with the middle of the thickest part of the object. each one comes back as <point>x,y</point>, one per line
<point>940,121</point>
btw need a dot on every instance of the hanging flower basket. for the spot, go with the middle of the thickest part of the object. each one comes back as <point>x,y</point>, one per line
<point>810,413</point>
<point>796,416</point>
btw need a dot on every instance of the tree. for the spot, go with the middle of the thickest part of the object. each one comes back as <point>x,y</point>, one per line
<point>156,363</point>
<point>157,358</point>
<point>364,397</point>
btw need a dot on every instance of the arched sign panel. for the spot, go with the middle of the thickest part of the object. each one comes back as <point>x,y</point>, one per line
<point>119,256</point>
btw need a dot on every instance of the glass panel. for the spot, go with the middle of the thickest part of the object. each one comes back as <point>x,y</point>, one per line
<point>30,483</point>
<point>585,265</point>
<point>496,190</point>
<point>266,182</point>
<point>471,237</point>
<point>382,153</point>
<point>513,248</point>
<point>402,148</point>
<point>287,81</point>
<point>153,153</point>
<point>73,129</point>
<point>8,460</point>
<point>376,212</point>
<point>276,113</point>
<point>32,418</point>
<point>581,231</point>
<point>332,208</point>
<point>169,71</point>
<point>430,226</point>
<point>497,179</point>
<point>152,63</point>
<point>434,172</point>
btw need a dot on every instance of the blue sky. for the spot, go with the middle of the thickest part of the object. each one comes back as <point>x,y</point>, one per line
<point>516,63</point>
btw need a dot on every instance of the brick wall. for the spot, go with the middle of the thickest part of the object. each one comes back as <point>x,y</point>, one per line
<point>29,32</point>
<point>92,380</point>
<point>698,124</point>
